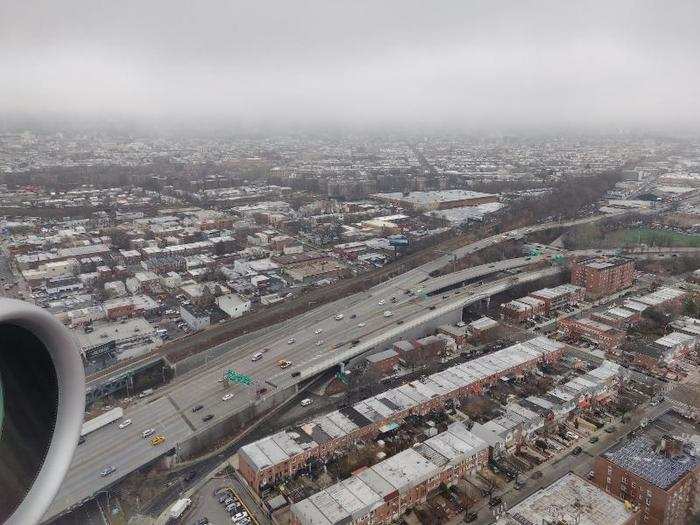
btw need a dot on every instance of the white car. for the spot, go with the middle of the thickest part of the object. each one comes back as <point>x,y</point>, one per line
<point>306,402</point>
<point>318,331</point>
<point>125,423</point>
<point>339,317</point>
<point>361,325</point>
<point>256,356</point>
<point>291,341</point>
<point>227,397</point>
<point>388,313</point>
<point>381,302</point>
<point>319,342</point>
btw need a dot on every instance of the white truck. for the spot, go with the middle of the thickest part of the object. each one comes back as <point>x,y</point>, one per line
<point>102,420</point>
<point>179,508</point>
<point>146,393</point>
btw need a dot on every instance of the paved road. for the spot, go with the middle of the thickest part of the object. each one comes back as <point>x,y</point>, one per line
<point>309,352</point>
<point>124,449</point>
<point>565,462</point>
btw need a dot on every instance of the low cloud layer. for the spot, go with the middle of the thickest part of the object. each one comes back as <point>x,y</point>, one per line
<point>456,63</point>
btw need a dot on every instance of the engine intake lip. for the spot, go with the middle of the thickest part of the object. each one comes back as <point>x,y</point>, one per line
<point>68,391</point>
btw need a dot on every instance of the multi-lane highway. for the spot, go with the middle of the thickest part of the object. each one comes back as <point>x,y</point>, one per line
<point>312,342</point>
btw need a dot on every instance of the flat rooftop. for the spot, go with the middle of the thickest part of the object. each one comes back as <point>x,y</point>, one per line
<point>570,499</point>
<point>639,455</point>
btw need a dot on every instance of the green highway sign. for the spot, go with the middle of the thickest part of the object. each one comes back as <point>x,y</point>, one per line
<point>234,377</point>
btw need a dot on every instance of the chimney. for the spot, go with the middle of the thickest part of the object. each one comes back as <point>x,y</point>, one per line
<point>671,447</point>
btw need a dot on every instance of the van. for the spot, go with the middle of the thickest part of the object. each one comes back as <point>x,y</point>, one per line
<point>306,402</point>
<point>148,432</point>
<point>146,393</point>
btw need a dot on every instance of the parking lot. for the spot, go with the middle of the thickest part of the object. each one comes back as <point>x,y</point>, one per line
<point>219,502</point>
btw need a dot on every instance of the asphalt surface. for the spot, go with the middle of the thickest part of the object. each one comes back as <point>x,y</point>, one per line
<point>123,448</point>
<point>310,353</point>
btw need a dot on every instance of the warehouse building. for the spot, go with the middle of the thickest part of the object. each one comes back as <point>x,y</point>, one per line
<point>436,200</point>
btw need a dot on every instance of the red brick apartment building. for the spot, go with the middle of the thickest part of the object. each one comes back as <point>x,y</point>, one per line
<point>653,471</point>
<point>602,276</point>
<point>605,336</point>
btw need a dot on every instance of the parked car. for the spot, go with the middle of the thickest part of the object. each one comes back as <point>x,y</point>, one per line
<point>197,408</point>
<point>208,417</point>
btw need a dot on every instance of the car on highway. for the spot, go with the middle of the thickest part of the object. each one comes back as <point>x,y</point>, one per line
<point>125,423</point>
<point>388,313</point>
<point>339,317</point>
<point>318,331</point>
<point>107,470</point>
<point>352,316</point>
<point>226,397</point>
<point>148,432</point>
<point>296,374</point>
<point>208,417</point>
<point>157,440</point>
<point>306,402</point>
<point>283,363</point>
<point>291,341</point>
<point>197,408</point>
<point>361,325</point>
<point>257,356</point>
<point>202,521</point>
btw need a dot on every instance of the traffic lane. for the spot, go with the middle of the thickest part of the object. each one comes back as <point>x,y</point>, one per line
<point>208,391</point>
<point>122,448</point>
<point>199,389</point>
<point>159,414</point>
<point>84,481</point>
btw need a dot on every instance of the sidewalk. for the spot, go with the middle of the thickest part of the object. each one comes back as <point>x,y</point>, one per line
<point>561,463</point>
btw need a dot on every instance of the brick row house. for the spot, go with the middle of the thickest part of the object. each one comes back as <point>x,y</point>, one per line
<point>275,457</point>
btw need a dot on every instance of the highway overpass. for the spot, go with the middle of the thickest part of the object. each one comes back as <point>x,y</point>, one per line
<point>170,410</point>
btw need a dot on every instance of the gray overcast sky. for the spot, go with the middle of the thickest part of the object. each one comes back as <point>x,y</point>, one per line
<point>462,62</point>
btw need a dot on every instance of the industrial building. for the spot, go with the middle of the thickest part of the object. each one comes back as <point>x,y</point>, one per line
<point>436,200</point>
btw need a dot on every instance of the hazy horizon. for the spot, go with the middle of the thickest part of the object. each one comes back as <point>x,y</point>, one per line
<point>516,64</point>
